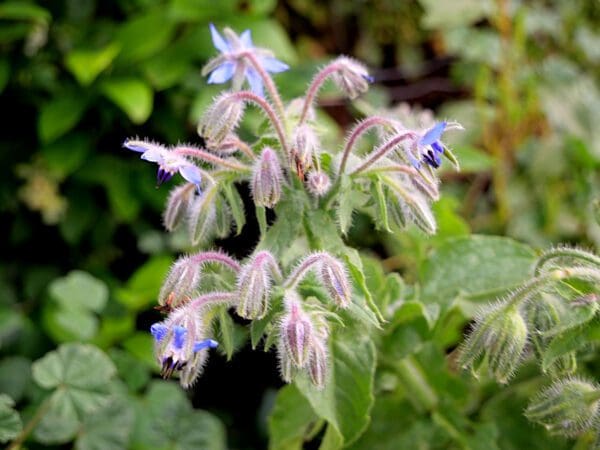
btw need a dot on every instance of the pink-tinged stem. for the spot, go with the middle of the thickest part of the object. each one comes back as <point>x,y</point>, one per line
<point>216,257</point>
<point>384,150</point>
<point>268,109</point>
<point>430,188</point>
<point>214,298</point>
<point>357,132</point>
<point>300,272</point>
<point>209,157</point>
<point>242,146</point>
<point>314,87</point>
<point>268,81</point>
<point>264,257</point>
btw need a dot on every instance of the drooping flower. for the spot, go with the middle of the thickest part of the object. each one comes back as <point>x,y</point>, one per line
<point>429,146</point>
<point>234,64</point>
<point>168,162</point>
<point>352,77</point>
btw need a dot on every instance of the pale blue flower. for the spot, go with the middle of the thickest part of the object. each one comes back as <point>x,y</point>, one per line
<point>168,161</point>
<point>233,63</point>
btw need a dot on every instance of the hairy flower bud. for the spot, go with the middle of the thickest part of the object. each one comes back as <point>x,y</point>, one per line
<point>334,278</point>
<point>305,144</point>
<point>177,205</point>
<point>266,179</point>
<point>318,183</point>
<point>220,119</point>
<point>254,286</point>
<point>498,337</point>
<point>201,218</point>
<point>352,77</point>
<point>317,364</point>
<point>180,283</point>
<point>296,333</point>
<point>568,407</point>
<point>420,213</point>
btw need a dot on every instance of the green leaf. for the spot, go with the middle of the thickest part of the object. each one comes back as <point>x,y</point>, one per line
<point>10,422</point>
<point>86,65</point>
<point>145,35</point>
<point>474,266</point>
<point>132,95</point>
<point>141,346</point>
<point>19,10</point>
<point>60,115</point>
<point>66,155</point>
<point>131,370</point>
<point>166,420</point>
<point>381,211</point>
<point>226,332</point>
<point>573,316</point>
<point>237,206</point>
<point>15,376</point>
<point>143,287</point>
<point>108,428</point>
<point>79,290</point>
<point>60,423</point>
<point>72,324</point>
<point>568,341</point>
<point>79,371</point>
<point>289,420</point>
<point>347,398</point>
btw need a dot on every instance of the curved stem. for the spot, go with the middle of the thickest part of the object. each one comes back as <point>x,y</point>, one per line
<point>209,157</point>
<point>566,252</point>
<point>430,188</point>
<point>268,81</point>
<point>383,150</point>
<point>39,414</point>
<point>264,257</point>
<point>357,132</point>
<point>300,272</point>
<point>314,87</point>
<point>268,109</point>
<point>212,299</point>
<point>243,147</point>
<point>218,257</point>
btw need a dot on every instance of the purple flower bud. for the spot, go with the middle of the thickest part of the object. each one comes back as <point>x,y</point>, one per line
<point>296,334</point>
<point>351,77</point>
<point>318,183</point>
<point>180,283</point>
<point>317,364</point>
<point>202,217</point>
<point>266,179</point>
<point>254,286</point>
<point>334,277</point>
<point>177,204</point>
<point>304,145</point>
<point>220,120</point>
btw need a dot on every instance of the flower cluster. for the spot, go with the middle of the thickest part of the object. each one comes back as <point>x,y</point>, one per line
<point>397,174</point>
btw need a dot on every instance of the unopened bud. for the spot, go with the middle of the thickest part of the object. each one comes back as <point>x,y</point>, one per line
<point>568,407</point>
<point>318,183</point>
<point>296,334</point>
<point>396,209</point>
<point>222,217</point>
<point>266,179</point>
<point>180,283</point>
<point>254,286</point>
<point>499,336</point>
<point>305,144</point>
<point>201,218</point>
<point>177,205</point>
<point>420,213</point>
<point>317,364</point>
<point>352,77</point>
<point>334,277</point>
<point>220,119</point>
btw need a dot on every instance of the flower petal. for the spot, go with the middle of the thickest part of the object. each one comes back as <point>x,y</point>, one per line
<point>221,74</point>
<point>246,39</point>
<point>206,343</point>
<point>273,65</point>
<point>255,81</point>
<point>158,330</point>
<point>433,134</point>
<point>438,147</point>
<point>154,154</point>
<point>137,145</point>
<point>179,335</point>
<point>191,173</point>
<point>220,43</point>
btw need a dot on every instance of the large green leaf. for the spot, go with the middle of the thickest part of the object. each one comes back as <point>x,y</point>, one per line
<point>145,35</point>
<point>166,420</point>
<point>10,422</point>
<point>142,288</point>
<point>60,114</point>
<point>79,290</point>
<point>132,95</point>
<point>475,266</point>
<point>290,419</point>
<point>108,428</point>
<point>347,398</point>
<point>86,65</point>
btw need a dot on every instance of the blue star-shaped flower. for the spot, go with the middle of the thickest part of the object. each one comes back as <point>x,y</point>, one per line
<point>234,63</point>
<point>430,146</point>
<point>168,161</point>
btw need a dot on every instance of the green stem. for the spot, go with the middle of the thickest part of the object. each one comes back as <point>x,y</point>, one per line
<point>39,414</point>
<point>566,252</point>
<point>418,390</point>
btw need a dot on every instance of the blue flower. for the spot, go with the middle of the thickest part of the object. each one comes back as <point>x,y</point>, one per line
<point>234,63</point>
<point>168,161</point>
<point>430,147</point>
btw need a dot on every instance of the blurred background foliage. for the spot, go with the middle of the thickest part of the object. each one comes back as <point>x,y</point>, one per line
<point>83,253</point>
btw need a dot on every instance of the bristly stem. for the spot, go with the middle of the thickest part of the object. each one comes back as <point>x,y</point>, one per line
<point>269,83</point>
<point>227,298</point>
<point>566,252</point>
<point>264,257</point>
<point>384,150</point>
<point>314,87</point>
<point>430,187</point>
<point>357,132</point>
<point>268,109</point>
<point>299,272</point>
<point>210,158</point>
<point>218,257</point>
<point>242,146</point>
<point>39,414</point>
